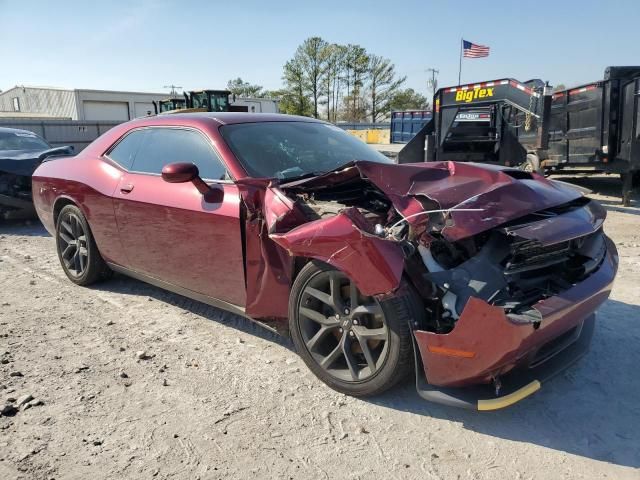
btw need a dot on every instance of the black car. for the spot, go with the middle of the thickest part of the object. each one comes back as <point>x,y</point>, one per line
<point>21,151</point>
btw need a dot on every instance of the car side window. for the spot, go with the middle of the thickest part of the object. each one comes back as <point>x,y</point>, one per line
<point>125,150</point>
<point>162,146</point>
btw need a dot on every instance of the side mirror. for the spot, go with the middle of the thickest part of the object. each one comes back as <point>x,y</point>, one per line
<point>183,172</point>
<point>180,172</point>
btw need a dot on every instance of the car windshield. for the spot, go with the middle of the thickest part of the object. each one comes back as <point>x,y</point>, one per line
<point>287,150</point>
<point>22,141</point>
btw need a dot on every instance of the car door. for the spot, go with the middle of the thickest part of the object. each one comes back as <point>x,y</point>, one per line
<point>168,230</point>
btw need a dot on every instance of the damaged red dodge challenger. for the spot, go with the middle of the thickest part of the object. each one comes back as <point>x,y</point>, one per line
<point>486,279</point>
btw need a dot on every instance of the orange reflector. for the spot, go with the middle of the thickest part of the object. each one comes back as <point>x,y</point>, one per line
<point>451,352</point>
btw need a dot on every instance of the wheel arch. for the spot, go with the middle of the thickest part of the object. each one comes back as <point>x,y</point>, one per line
<point>299,262</point>
<point>64,201</point>
<point>59,204</point>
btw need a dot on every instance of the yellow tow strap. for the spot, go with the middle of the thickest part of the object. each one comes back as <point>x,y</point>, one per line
<point>501,402</point>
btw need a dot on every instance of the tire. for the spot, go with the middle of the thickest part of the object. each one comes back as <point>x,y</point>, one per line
<point>382,326</point>
<point>630,182</point>
<point>84,265</point>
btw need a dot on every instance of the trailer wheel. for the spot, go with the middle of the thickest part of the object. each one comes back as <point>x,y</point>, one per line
<point>628,181</point>
<point>532,164</point>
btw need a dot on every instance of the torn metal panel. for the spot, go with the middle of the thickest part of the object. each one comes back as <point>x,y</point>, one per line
<point>475,198</point>
<point>550,227</point>
<point>281,212</point>
<point>485,343</point>
<point>268,268</point>
<point>346,242</point>
<point>277,230</point>
<point>501,194</point>
<point>514,272</point>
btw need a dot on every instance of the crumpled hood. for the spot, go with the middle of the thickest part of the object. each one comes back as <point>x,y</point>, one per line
<point>500,194</point>
<point>278,230</point>
<point>24,162</point>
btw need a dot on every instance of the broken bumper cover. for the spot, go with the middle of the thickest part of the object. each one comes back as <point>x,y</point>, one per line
<point>486,349</point>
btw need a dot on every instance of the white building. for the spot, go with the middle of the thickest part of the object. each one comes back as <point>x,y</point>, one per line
<point>257,105</point>
<point>77,104</point>
<point>96,105</point>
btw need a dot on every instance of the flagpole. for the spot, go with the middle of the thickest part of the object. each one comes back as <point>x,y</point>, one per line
<point>460,68</point>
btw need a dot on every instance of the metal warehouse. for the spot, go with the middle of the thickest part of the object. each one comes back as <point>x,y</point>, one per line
<point>88,105</point>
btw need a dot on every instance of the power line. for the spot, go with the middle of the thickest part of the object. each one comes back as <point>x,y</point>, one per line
<point>434,81</point>
<point>174,92</point>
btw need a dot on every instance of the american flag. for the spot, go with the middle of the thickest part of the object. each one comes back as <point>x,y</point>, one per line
<point>471,50</point>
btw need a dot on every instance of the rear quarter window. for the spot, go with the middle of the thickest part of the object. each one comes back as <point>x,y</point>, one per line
<point>125,150</point>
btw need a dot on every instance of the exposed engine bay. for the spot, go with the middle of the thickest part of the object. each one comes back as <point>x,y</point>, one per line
<point>511,255</point>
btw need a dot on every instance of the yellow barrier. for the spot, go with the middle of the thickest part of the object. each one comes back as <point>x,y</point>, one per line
<point>372,135</point>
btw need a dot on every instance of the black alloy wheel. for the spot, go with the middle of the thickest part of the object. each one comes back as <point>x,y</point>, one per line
<point>353,342</point>
<point>72,241</point>
<point>77,250</point>
<point>345,332</point>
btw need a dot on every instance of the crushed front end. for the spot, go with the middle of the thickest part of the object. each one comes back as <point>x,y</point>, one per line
<point>509,267</point>
<point>515,312</point>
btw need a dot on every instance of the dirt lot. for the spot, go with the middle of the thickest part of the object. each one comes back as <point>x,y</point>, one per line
<point>215,396</point>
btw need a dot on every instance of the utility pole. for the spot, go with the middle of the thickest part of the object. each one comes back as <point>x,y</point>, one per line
<point>174,92</point>
<point>433,83</point>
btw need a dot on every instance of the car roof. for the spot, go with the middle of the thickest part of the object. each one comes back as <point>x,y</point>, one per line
<point>227,118</point>
<point>202,120</point>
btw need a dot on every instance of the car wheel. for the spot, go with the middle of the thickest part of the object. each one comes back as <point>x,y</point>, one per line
<point>354,343</point>
<point>77,250</point>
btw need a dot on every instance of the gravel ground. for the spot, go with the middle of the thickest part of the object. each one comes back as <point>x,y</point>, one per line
<point>131,382</point>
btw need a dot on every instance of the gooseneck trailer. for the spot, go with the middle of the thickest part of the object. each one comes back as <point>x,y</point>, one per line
<point>592,128</point>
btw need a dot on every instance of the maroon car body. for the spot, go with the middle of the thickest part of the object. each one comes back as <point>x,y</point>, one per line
<point>242,248</point>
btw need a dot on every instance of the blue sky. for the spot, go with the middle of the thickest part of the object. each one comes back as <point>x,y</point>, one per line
<point>144,45</point>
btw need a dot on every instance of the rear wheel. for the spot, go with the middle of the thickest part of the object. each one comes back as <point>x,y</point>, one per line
<point>77,251</point>
<point>352,342</point>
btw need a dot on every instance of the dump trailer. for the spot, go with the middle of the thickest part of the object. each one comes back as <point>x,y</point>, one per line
<point>592,128</point>
<point>406,123</point>
<point>596,128</point>
<point>481,122</point>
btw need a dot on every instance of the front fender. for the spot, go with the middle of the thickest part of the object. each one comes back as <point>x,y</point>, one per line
<point>276,231</point>
<point>342,241</point>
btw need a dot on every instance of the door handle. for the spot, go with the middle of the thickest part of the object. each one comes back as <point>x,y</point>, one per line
<point>126,188</point>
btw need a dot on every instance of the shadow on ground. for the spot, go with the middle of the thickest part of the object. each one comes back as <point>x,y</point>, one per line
<point>30,228</point>
<point>591,410</point>
<point>124,285</point>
